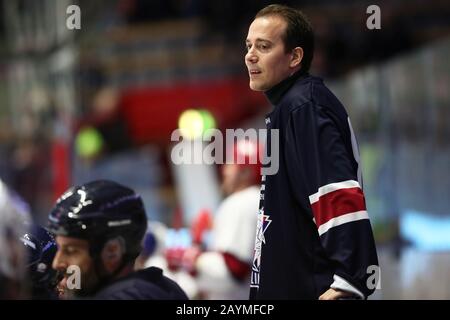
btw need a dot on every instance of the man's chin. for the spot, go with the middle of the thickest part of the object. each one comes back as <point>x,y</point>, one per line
<point>256,87</point>
<point>65,293</point>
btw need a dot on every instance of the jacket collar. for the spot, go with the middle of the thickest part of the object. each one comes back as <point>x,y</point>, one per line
<point>277,92</point>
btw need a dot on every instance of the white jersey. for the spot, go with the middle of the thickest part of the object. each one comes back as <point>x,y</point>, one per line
<point>234,224</point>
<point>233,233</point>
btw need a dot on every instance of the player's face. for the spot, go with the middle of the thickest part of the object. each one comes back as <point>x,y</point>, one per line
<point>74,252</point>
<point>230,175</point>
<point>266,59</point>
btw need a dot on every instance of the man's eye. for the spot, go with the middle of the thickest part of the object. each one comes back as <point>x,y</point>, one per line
<point>247,46</point>
<point>69,250</point>
<point>263,47</point>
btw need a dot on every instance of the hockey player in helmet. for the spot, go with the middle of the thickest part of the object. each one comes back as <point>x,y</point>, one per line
<point>99,227</point>
<point>41,247</point>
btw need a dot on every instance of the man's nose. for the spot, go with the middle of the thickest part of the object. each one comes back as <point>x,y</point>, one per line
<point>59,262</point>
<point>251,56</point>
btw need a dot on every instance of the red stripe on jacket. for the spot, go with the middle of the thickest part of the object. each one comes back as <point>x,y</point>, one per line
<point>338,203</point>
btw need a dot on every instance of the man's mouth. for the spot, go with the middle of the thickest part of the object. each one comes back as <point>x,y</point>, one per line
<point>254,72</point>
<point>63,282</point>
<point>62,287</point>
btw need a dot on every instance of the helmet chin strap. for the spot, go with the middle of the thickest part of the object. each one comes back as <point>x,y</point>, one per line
<point>104,278</point>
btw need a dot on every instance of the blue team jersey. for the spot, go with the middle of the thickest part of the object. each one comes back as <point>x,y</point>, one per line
<point>313,229</point>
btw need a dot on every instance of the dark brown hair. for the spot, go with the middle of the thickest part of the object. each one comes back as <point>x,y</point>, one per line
<point>299,32</point>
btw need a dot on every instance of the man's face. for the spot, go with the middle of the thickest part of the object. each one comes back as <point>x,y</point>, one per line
<point>235,177</point>
<point>266,59</point>
<point>230,176</point>
<point>75,252</point>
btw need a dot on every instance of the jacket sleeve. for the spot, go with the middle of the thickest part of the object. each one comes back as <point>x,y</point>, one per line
<point>323,171</point>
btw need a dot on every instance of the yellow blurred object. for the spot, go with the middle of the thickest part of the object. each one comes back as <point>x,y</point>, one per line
<point>194,123</point>
<point>88,142</point>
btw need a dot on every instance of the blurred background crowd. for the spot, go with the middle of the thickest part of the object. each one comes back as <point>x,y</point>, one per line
<point>102,102</point>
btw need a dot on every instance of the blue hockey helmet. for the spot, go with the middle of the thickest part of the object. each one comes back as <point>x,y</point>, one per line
<point>98,211</point>
<point>41,248</point>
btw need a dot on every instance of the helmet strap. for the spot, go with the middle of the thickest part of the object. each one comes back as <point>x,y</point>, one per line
<point>104,277</point>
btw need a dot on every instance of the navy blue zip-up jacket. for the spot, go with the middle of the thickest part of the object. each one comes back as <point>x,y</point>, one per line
<point>313,230</point>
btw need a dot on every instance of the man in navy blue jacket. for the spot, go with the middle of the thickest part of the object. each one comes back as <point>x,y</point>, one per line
<point>314,239</point>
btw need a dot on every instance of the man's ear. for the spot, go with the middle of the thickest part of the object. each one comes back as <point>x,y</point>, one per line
<point>297,57</point>
<point>112,254</point>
